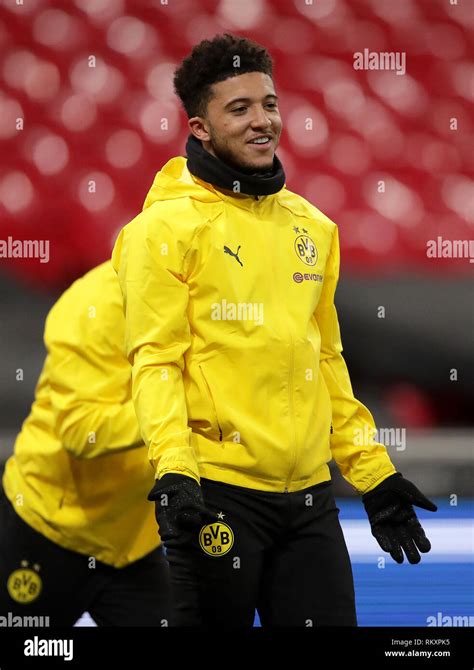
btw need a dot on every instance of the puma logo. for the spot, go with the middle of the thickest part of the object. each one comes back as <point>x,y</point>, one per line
<point>231,253</point>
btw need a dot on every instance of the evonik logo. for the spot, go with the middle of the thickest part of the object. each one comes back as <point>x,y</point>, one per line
<point>299,277</point>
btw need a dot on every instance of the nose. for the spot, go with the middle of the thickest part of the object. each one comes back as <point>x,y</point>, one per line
<point>260,119</point>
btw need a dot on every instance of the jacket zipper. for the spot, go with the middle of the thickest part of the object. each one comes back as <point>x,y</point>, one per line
<point>292,410</point>
<point>290,390</point>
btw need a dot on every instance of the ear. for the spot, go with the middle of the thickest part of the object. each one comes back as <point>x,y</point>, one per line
<point>198,127</point>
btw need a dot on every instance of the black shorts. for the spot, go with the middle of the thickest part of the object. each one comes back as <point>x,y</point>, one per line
<point>41,579</point>
<point>283,554</point>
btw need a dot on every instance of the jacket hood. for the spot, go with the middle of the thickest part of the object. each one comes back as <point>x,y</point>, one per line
<point>175,181</point>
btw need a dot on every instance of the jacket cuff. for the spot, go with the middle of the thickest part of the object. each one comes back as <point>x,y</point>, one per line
<point>178,460</point>
<point>379,479</point>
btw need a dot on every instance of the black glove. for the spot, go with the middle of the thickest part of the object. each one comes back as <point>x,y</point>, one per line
<point>394,523</point>
<point>179,507</point>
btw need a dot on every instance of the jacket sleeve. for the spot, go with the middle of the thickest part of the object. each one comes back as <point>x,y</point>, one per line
<point>94,414</point>
<point>362,461</point>
<point>151,258</point>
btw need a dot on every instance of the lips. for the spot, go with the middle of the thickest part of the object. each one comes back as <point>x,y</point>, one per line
<point>261,143</point>
<point>262,147</point>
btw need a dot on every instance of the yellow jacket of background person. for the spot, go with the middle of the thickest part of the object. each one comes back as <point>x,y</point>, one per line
<point>74,476</point>
<point>234,339</point>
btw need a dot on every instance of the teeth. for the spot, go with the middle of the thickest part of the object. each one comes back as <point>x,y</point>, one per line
<point>261,140</point>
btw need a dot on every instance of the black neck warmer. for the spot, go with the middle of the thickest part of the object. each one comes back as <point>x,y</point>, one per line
<point>207,167</point>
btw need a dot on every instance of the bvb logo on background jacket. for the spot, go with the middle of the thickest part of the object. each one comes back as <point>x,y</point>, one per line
<point>247,398</point>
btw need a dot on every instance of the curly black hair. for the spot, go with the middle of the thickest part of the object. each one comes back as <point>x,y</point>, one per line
<point>215,60</point>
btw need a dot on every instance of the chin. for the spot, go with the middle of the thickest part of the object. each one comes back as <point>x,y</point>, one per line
<point>264,167</point>
<point>239,163</point>
<point>257,167</point>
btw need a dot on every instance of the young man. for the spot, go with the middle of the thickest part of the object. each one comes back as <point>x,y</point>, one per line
<point>76,531</point>
<point>240,388</point>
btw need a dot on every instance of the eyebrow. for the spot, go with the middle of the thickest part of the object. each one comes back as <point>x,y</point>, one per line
<point>234,100</point>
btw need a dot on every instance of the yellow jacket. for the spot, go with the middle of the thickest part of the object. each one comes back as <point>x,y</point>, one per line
<point>234,339</point>
<point>74,476</point>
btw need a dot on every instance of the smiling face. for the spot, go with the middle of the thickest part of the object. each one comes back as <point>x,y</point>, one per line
<point>242,109</point>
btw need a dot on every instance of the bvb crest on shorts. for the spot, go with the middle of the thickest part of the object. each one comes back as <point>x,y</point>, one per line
<point>24,584</point>
<point>216,539</point>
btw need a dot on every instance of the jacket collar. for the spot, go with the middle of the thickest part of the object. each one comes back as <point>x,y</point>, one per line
<point>212,170</point>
